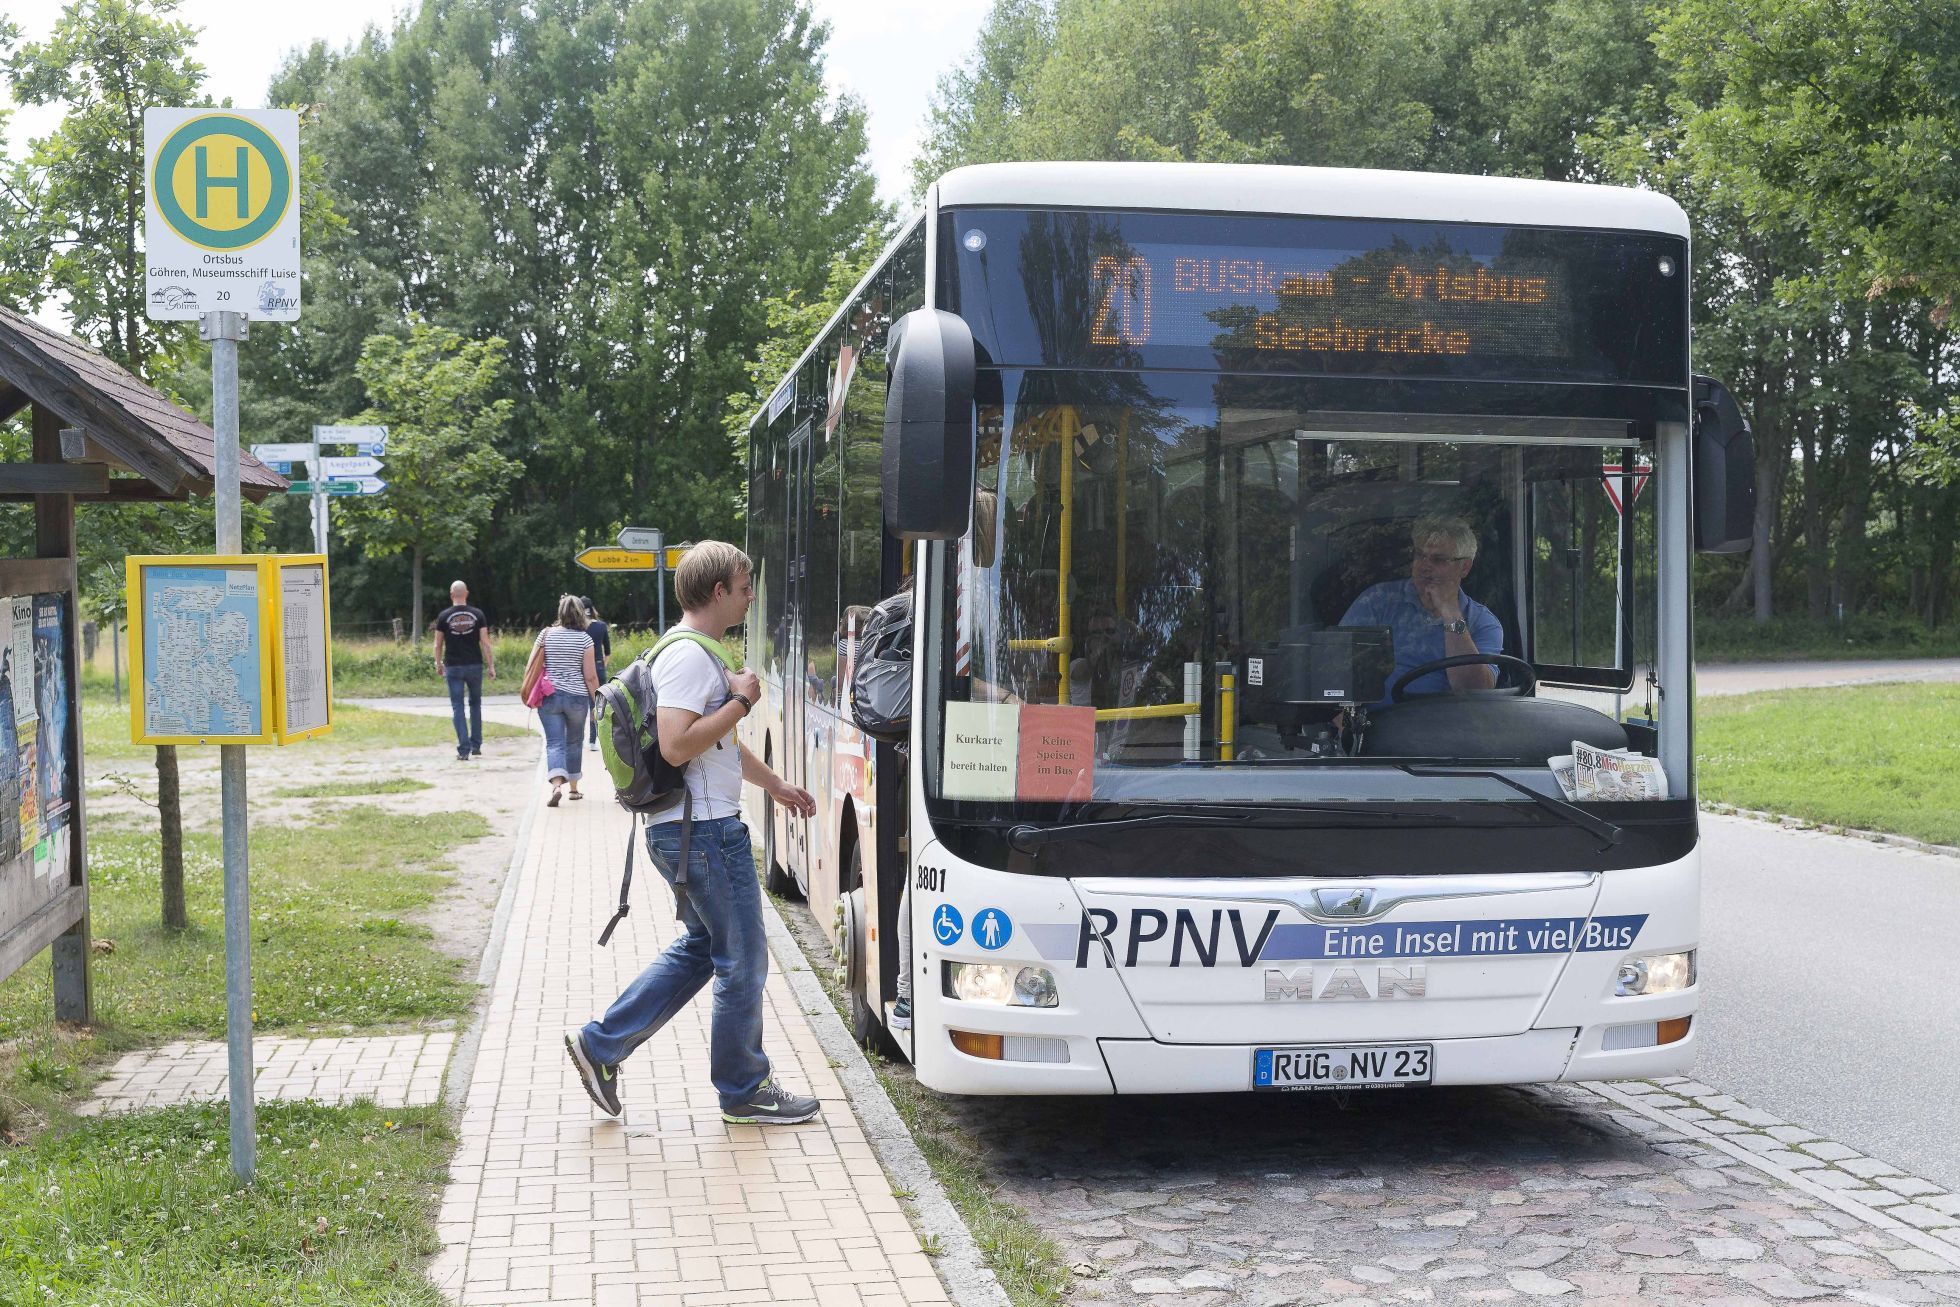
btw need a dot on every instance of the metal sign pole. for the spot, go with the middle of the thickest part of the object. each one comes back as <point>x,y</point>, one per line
<point>660,575</point>
<point>224,331</point>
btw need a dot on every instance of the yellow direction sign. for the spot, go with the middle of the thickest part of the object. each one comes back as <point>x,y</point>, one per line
<point>605,558</point>
<point>222,229</point>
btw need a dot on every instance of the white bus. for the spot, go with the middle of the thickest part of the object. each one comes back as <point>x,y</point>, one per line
<point>1270,531</point>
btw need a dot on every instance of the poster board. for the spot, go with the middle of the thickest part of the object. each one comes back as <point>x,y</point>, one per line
<point>199,650</point>
<point>229,648</point>
<point>302,640</point>
<point>42,892</point>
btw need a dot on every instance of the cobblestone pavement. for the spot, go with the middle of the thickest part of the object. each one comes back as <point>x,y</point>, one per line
<point>392,1070</point>
<point>1462,1196</point>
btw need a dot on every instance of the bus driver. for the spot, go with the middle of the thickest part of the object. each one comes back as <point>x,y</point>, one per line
<point>1429,616</point>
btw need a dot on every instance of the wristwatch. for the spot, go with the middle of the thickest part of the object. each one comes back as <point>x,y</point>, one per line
<point>1458,627</point>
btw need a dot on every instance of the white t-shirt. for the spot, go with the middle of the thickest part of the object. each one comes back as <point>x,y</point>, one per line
<point>688,676</point>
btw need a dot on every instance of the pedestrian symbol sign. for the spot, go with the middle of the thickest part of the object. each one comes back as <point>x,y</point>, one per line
<point>222,223</point>
<point>992,929</point>
<point>947,925</point>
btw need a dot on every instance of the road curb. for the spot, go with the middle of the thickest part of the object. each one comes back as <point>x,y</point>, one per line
<point>1850,1206</point>
<point>1825,828</point>
<point>462,1062</point>
<point>968,1280</point>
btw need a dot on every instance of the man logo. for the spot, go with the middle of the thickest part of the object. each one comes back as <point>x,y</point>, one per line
<point>1298,986</point>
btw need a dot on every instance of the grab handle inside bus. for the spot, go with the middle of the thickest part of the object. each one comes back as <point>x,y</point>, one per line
<point>929,435</point>
<point>1725,472</point>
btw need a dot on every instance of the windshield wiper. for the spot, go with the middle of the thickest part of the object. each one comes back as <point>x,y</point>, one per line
<point>1559,808</point>
<point>1027,839</point>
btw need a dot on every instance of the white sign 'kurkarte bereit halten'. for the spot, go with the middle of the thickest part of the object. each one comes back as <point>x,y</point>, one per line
<point>222,233</point>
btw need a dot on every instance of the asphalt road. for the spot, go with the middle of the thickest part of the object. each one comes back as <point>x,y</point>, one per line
<point>1827,988</point>
<point>1744,678</point>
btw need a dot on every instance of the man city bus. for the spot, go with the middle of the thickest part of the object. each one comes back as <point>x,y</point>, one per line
<point>1301,682</point>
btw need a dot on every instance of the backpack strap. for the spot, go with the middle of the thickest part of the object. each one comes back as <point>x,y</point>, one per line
<point>625,882</point>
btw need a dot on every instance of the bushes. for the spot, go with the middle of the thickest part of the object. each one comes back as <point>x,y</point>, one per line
<point>1741,639</point>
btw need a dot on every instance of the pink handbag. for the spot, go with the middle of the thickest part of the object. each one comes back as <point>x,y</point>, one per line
<point>540,690</point>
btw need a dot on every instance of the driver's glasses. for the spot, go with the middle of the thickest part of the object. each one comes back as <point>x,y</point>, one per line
<point>1444,560</point>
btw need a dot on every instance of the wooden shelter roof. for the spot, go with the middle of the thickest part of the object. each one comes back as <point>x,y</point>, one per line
<point>126,422</point>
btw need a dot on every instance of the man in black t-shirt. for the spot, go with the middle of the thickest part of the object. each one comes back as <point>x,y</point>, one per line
<point>463,657</point>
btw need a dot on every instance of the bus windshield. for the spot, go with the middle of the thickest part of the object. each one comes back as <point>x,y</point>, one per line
<point>1183,587</point>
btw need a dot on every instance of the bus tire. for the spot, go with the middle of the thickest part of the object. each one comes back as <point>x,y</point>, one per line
<point>775,878</point>
<point>867,1022</point>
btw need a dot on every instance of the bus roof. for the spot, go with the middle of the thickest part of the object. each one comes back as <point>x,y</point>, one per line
<point>1322,192</point>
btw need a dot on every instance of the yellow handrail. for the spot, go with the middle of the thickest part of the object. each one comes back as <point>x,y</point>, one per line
<point>1146,711</point>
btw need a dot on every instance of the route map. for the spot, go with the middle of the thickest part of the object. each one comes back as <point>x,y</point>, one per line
<point>200,651</point>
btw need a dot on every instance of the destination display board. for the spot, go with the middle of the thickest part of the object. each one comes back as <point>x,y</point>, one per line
<point>1322,295</point>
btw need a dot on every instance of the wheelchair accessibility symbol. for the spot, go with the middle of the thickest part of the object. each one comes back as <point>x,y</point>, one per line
<point>991,928</point>
<point>947,925</point>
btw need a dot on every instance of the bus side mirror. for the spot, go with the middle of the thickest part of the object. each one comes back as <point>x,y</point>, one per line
<point>1725,472</point>
<point>928,451</point>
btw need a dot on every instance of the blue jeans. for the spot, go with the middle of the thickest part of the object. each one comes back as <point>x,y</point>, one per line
<point>466,677</point>
<point>562,714</point>
<point>721,906</point>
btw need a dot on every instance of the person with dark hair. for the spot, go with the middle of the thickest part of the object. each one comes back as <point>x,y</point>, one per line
<point>601,650</point>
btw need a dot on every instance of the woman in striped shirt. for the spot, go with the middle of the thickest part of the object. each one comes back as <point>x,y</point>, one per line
<point>567,654</point>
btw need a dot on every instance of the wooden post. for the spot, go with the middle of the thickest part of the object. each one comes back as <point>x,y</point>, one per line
<point>54,537</point>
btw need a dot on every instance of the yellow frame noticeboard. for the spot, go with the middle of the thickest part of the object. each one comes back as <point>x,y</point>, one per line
<point>278,565</point>
<point>267,573</point>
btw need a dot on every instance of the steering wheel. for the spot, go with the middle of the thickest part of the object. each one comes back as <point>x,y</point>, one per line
<point>1504,661</point>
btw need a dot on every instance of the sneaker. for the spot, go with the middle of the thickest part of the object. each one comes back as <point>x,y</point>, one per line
<point>600,1080</point>
<point>476,753</point>
<point>771,1104</point>
<point>902,1014</point>
<point>462,756</point>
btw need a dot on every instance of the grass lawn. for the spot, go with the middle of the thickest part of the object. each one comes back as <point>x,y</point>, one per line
<point>144,1209</point>
<point>353,789</point>
<point>1876,757</point>
<point>329,944</point>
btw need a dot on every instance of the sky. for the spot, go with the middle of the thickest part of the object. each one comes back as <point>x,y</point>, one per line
<point>888,53</point>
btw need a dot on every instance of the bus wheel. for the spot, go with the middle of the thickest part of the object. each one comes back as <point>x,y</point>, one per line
<point>774,878</point>
<point>867,1023</point>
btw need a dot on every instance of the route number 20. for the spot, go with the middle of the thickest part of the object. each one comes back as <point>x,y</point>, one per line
<point>1123,305</point>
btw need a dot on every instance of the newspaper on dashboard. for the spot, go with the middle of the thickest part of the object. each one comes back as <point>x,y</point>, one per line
<point>1608,775</point>
<point>1562,772</point>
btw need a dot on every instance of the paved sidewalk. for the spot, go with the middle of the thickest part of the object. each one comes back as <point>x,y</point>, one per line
<point>392,1070</point>
<point>551,1201</point>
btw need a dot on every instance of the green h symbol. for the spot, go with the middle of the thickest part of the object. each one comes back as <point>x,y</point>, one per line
<point>206,183</point>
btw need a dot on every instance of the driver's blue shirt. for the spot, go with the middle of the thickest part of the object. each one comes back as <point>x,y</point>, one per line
<point>1418,637</point>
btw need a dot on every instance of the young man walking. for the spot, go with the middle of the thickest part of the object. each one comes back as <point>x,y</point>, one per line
<point>720,901</point>
<point>463,658</point>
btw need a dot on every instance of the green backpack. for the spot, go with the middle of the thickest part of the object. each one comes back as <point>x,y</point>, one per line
<point>629,746</point>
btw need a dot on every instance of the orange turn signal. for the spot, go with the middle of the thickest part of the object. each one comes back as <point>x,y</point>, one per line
<point>987,1046</point>
<point>1672,1030</point>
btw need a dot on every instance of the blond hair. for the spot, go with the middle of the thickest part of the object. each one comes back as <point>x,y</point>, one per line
<point>571,612</point>
<point>705,566</point>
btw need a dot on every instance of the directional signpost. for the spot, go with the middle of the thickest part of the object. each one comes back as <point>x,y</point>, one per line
<point>330,476</point>
<point>641,549</point>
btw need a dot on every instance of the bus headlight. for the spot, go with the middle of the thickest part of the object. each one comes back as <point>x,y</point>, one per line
<point>985,982</point>
<point>1658,973</point>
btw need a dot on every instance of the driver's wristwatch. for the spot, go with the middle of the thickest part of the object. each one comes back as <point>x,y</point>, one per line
<point>1458,627</point>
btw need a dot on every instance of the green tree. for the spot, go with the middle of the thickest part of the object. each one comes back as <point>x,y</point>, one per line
<point>435,392</point>
<point>614,187</point>
<point>82,189</point>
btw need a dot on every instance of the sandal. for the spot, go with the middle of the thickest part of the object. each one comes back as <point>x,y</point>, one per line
<point>577,795</point>
<point>552,802</point>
